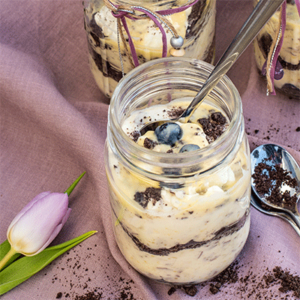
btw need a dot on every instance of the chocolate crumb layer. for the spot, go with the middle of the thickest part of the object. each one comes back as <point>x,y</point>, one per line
<point>265,42</point>
<point>214,126</point>
<point>224,231</point>
<point>194,17</point>
<point>104,66</point>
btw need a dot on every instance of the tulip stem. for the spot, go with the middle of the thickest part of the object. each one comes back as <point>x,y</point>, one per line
<point>7,257</point>
<point>72,186</point>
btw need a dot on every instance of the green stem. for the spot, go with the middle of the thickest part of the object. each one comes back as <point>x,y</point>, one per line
<point>72,186</point>
<point>7,257</point>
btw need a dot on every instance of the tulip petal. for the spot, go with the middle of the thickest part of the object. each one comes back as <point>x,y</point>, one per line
<point>26,208</point>
<point>51,238</point>
<point>34,228</point>
<point>55,232</point>
<point>66,216</point>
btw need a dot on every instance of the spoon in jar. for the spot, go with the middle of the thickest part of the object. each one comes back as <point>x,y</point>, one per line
<point>276,179</point>
<point>258,18</point>
<point>256,203</point>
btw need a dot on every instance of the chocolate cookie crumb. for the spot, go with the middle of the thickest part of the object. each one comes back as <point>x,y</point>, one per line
<point>218,118</point>
<point>250,285</point>
<point>149,144</point>
<point>59,295</point>
<point>298,129</point>
<point>288,281</point>
<point>214,126</point>
<point>190,290</point>
<point>89,296</point>
<point>175,112</point>
<point>268,181</point>
<point>229,275</point>
<point>151,194</point>
<point>135,135</point>
<point>171,291</point>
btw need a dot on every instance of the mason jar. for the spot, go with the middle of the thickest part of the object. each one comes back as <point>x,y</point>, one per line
<point>178,218</point>
<point>195,24</point>
<point>289,56</point>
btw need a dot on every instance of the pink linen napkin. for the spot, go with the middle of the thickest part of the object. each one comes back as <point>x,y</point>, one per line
<point>53,127</point>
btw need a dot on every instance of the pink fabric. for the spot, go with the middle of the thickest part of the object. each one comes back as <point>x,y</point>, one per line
<point>53,127</point>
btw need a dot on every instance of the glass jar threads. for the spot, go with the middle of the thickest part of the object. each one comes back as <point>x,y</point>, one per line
<point>125,33</point>
<point>178,217</point>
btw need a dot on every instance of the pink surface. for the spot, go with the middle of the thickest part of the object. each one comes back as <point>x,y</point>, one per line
<point>53,127</point>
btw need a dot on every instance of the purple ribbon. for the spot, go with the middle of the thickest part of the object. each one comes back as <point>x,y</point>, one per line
<point>276,71</point>
<point>123,15</point>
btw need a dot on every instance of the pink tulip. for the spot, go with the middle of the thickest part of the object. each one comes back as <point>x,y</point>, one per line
<point>38,223</point>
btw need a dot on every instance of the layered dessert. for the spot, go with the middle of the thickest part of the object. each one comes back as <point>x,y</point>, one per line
<point>195,24</point>
<point>289,58</point>
<point>180,229</point>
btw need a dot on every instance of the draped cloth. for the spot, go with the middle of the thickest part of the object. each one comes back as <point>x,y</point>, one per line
<point>53,127</point>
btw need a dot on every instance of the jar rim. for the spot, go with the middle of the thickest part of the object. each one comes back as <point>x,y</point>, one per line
<point>194,157</point>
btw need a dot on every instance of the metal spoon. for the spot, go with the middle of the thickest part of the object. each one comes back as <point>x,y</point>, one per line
<point>272,155</point>
<point>256,203</point>
<point>260,15</point>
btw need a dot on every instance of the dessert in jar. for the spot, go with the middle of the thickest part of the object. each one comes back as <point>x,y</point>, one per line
<point>180,195</point>
<point>287,66</point>
<point>109,59</point>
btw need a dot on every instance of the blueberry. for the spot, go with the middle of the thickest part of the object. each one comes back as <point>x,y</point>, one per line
<point>168,133</point>
<point>189,148</point>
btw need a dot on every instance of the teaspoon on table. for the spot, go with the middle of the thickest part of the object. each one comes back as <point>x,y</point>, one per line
<point>273,155</point>
<point>256,203</point>
<point>258,18</point>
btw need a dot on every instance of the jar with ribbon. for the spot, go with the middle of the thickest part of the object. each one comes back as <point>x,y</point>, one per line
<point>123,34</point>
<point>277,50</point>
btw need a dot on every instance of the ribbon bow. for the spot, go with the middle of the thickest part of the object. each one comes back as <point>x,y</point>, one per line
<point>122,12</point>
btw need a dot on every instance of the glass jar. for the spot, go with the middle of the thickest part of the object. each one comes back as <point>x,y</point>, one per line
<point>178,218</point>
<point>195,24</point>
<point>289,57</point>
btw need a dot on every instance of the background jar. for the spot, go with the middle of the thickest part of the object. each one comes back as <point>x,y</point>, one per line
<point>289,56</point>
<point>191,240</point>
<point>195,24</point>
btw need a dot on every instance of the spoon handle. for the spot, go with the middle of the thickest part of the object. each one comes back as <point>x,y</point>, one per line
<point>259,17</point>
<point>255,202</point>
<point>296,218</point>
